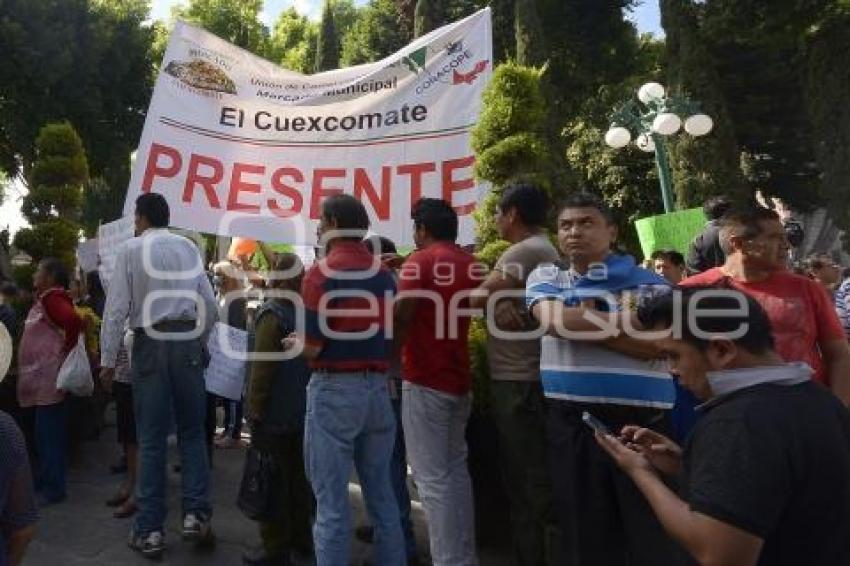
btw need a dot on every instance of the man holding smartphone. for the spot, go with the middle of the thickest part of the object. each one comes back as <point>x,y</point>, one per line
<point>765,475</point>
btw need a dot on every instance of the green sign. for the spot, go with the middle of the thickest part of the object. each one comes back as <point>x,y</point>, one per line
<point>673,231</point>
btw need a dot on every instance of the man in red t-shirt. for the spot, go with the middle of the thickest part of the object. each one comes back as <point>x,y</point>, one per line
<point>434,287</point>
<point>805,325</point>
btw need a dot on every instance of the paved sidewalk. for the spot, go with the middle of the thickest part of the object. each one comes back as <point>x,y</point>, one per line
<point>81,531</point>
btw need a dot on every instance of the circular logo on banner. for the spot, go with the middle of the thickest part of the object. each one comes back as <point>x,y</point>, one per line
<point>5,351</point>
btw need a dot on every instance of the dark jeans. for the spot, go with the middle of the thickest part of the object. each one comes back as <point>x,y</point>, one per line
<point>232,418</point>
<point>519,410</point>
<point>51,440</point>
<point>602,517</point>
<point>168,375</point>
<point>292,495</point>
<point>398,472</point>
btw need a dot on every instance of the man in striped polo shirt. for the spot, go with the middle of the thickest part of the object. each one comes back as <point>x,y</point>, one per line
<point>602,518</point>
<point>350,419</point>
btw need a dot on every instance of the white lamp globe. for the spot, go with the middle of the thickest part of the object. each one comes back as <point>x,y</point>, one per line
<point>699,124</point>
<point>645,143</point>
<point>649,92</point>
<point>618,137</point>
<point>666,124</point>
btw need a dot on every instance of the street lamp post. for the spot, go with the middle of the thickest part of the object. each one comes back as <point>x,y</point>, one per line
<point>650,119</point>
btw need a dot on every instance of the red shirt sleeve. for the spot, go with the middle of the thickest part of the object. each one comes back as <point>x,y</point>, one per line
<point>61,313</point>
<point>414,272</point>
<point>312,289</point>
<point>828,324</point>
<point>706,278</point>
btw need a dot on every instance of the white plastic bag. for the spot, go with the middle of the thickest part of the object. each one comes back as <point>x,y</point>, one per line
<point>75,373</point>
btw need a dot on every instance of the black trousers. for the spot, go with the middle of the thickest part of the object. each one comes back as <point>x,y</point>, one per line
<point>602,517</point>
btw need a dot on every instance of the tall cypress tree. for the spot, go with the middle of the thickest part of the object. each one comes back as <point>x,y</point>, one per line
<point>53,204</point>
<point>709,165</point>
<point>530,40</point>
<point>826,85</point>
<point>327,42</point>
<point>428,16</point>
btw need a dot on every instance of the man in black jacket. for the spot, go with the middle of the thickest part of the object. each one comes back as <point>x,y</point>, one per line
<point>705,251</point>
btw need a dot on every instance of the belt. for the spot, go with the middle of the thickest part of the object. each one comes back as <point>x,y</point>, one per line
<point>170,326</point>
<point>340,371</point>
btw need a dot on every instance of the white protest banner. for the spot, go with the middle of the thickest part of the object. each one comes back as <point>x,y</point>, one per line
<point>110,236</point>
<point>87,255</point>
<point>239,146</point>
<point>225,376</point>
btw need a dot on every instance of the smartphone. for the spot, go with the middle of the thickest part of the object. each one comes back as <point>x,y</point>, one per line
<point>594,423</point>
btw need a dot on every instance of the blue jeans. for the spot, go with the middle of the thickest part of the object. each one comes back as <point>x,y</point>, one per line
<point>350,421</point>
<point>168,374</point>
<point>51,433</point>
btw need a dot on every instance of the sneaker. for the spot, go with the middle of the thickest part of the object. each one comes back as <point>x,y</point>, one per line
<point>151,546</point>
<point>197,529</point>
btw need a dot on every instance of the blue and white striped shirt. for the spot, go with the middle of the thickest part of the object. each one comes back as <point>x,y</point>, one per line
<point>585,371</point>
<point>842,306</point>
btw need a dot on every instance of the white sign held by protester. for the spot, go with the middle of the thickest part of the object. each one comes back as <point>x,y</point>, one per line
<point>87,255</point>
<point>110,237</point>
<point>240,147</point>
<point>225,376</point>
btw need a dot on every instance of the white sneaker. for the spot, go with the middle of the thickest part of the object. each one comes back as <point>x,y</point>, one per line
<point>197,529</point>
<point>150,546</point>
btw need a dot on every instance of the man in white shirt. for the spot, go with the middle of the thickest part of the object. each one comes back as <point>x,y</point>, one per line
<point>159,283</point>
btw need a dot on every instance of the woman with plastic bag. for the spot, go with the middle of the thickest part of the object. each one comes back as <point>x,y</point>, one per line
<point>51,331</point>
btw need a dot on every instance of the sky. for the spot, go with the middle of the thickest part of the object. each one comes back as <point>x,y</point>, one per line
<point>645,16</point>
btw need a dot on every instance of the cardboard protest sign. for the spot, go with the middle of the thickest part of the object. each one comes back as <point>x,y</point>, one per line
<point>240,147</point>
<point>225,376</point>
<point>673,231</point>
<point>110,237</point>
<point>87,255</point>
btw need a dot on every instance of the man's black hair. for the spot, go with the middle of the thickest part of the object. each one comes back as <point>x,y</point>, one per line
<point>437,217</point>
<point>586,199</point>
<point>57,271</point>
<point>154,208</point>
<point>386,245</point>
<point>745,222</point>
<point>530,202</point>
<point>672,256</point>
<point>715,207</point>
<point>702,306</point>
<point>348,214</point>
<point>8,289</point>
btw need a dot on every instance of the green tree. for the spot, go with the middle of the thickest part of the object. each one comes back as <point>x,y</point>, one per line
<point>236,21</point>
<point>345,16</point>
<point>293,42</point>
<point>405,10</point>
<point>626,178</point>
<point>709,165</point>
<point>530,46</point>
<point>376,34</point>
<point>87,61</point>
<point>429,15</point>
<point>825,91</point>
<point>52,206</point>
<point>509,139</point>
<point>760,63</point>
<point>327,42</point>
